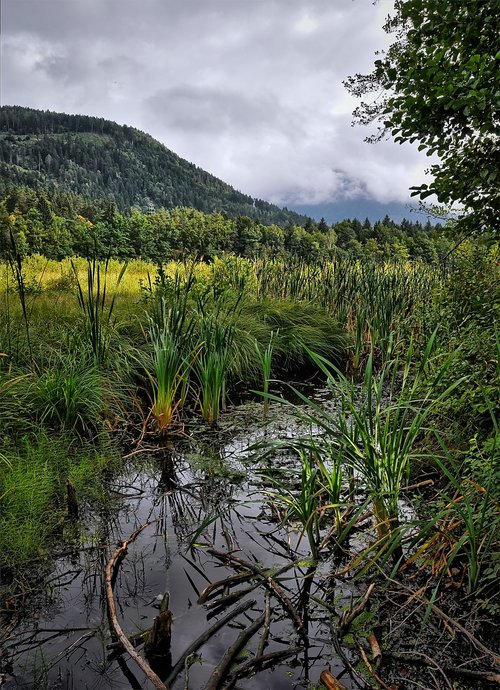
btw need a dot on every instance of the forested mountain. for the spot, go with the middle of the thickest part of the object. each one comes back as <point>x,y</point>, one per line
<point>98,159</point>
<point>73,185</point>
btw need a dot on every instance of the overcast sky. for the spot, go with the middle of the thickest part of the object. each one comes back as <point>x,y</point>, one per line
<point>250,90</point>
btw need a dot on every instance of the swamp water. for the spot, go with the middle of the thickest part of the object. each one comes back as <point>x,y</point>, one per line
<point>205,480</point>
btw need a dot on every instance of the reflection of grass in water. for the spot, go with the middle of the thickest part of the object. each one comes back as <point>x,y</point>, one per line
<point>212,465</point>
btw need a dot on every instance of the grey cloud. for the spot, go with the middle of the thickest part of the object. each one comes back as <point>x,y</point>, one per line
<point>250,90</point>
<point>213,110</point>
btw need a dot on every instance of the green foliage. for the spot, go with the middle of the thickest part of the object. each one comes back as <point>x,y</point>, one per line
<point>68,395</point>
<point>32,493</point>
<point>441,79</point>
<point>466,311</point>
<point>377,433</point>
<point>302,506</point>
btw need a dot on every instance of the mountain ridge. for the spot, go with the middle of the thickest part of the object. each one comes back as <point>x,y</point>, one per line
<point>100,159</point>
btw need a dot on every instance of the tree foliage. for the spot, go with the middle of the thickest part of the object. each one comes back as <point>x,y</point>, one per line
<point>59,224</point>
<point>439,85</point>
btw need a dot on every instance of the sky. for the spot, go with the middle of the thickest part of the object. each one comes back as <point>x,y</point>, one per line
<point>249,90</point>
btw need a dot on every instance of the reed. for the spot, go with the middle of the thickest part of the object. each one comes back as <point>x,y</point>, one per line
<point>95,306</point>
<point>378,432</point>
<point>303,505</point>
<point>266,359</point>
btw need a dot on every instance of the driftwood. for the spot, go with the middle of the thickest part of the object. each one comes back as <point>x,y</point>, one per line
<point>330,682</point>
<point>115,559</point>
<point>347,617</point>
<point>222,667</point>
<point>209,591</point>
<point>273,586</point>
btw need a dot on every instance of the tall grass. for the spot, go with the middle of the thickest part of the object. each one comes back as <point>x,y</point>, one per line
<point>378,432</point>
<point>168,374</point>
<point>95,306</point>
<point>33,492</point>
<point>266,359</point>
<point>465,531</point>
<point>68,394</point>
<point>302,505</point>
<point>216,334</point>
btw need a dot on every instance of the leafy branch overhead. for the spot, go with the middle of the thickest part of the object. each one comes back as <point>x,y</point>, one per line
<point>438,84</point>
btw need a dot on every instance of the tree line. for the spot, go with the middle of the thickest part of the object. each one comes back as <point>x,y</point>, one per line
<point>68,225</point>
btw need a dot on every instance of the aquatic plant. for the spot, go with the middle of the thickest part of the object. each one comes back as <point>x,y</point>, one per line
<point>303,505</point>
<point>266,358</point>
<point>378,428</point>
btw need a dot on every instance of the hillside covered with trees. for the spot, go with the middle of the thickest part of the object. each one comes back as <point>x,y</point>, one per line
<point>99,159</point>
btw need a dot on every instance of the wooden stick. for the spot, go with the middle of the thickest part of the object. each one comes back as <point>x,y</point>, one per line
<point>119,553</point>
<point>271,658</point>
<point>330,682</point>
<point>194,646</point>
<point>267,625</point>
<point>418,485</point>
<point>423,660</point>
<point>279,592</point>
<point>209,591</point>
<point>223,665</point>
<point>347,617</point>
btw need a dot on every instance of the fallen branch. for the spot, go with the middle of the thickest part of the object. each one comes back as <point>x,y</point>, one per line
<point>418,659</point>
<point>224,602</point>
<point>267,625</point>
<point>278,591</point>
<point>210,589</point>
<point>115,559</point>
<point>223,665</point>
<point>458,626</point>
<point>418,485</point>
<point>347,617</point>
<point>194,646</point>
<point>259,661</point>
